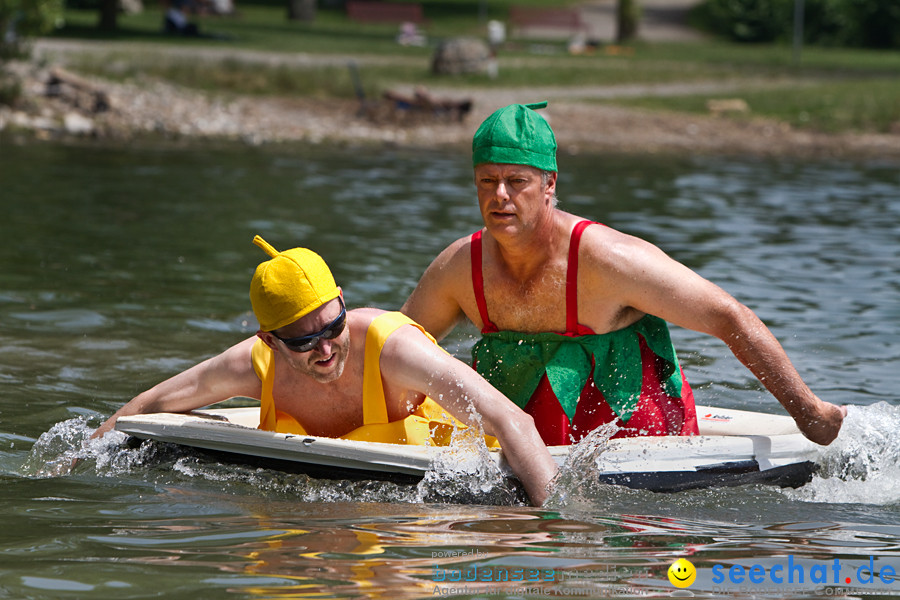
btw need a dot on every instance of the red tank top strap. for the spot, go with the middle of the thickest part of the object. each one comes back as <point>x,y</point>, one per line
<point>572,325</point>
<point>478,285</point>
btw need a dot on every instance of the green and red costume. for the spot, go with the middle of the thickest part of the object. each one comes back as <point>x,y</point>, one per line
<point>573,382</point>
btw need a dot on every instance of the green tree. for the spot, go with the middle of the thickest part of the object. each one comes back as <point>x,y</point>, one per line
<point>862,23</point>
<point>20,19</point>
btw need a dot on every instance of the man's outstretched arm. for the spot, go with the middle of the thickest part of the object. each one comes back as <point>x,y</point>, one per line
<point>756,347</point>
<point>651,282</point>
<point>413,361</point>
<point>221,377</point>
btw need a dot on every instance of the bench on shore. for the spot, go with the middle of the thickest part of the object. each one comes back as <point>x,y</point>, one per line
<point>524,19</point>
<point>377,11</point>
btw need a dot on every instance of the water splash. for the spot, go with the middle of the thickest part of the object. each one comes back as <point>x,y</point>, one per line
<point>293,485</point>
<point>863,464</point>
<point>577,482</point>
<point>861,467</point>
<point>68,447</point>
<point>466,473</point>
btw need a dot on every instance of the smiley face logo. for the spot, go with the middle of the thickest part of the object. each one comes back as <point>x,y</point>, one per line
<point>682,573</point>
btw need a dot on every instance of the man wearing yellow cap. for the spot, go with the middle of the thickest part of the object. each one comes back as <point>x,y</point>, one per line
<point>363,374</point>
<point>573,314</point>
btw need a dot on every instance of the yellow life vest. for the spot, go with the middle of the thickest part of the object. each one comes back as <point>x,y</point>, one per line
<point>428,424</point>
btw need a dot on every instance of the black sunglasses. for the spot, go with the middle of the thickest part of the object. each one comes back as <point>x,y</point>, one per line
<point>305,343</point>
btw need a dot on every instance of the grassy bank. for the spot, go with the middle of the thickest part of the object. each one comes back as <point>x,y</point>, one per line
<point>830,90</point>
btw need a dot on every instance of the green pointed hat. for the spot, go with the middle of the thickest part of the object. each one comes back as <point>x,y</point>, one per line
<point>516,135</point>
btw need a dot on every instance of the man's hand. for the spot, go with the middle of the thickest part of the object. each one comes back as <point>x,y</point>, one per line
<point>823,425</point>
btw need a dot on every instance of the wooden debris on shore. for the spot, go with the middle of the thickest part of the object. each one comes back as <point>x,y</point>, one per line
<point>422,105</point>
<point>77,92</point>
<point>727,105</point>
<point>417,107</point>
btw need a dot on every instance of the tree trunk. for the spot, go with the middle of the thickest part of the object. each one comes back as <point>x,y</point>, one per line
<point>628,15</point>
<point>109,14</point>
<point>302,10</point>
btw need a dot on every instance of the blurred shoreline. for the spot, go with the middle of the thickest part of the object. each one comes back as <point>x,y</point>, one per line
<point>152,108</point>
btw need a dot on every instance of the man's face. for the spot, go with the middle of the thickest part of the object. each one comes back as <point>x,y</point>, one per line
<point>325,362</point>
<point>512,198</point>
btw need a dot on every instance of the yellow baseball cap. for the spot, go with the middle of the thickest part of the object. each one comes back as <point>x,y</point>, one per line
<point>290,285</point>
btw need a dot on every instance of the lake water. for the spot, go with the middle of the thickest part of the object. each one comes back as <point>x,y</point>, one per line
<point>123,266</point>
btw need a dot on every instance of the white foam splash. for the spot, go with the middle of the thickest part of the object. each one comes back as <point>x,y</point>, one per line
<point>56,451</point>
<point>577,481</point>
<point>68,447</point>
<point>863,464</point>
<point>294,485</point>
<point>465,471</point>
<point>68,444</point>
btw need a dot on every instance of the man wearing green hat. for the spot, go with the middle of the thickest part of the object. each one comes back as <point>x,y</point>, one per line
<point>573,314</point>
<point>364,374</point>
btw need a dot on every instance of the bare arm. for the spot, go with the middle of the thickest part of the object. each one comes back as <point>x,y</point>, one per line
<point>756,347</point>
<point>219,378</point>
<point>411,360</point>
<point>434,304</point>
<point>653,283</point>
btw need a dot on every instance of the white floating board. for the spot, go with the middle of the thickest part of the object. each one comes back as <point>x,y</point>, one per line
<point>734,447</point>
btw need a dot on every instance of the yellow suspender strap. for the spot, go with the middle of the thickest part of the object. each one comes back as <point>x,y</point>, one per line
<point>374,407</point>
<point>261,356</point>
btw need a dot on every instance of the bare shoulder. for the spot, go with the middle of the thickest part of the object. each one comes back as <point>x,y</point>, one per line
<point>444,292</point>
<point>407,351</point>
<point>449,276</point>
<point>638,276</point>
<point>455,256</point>
<point>625,277</point>
<point>606,248</point>
<point>408,333</point>
<point>361,318</point>
<point>237,358</point>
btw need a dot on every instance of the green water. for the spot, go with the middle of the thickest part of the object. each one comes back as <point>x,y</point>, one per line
<point>122,266</point>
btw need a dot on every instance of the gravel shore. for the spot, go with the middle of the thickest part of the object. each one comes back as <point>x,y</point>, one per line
<point>131,110</point>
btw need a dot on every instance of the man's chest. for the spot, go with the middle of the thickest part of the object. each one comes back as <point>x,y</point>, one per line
<point>323,409</point>
<point>550,301</point>
<point>536,302</point>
